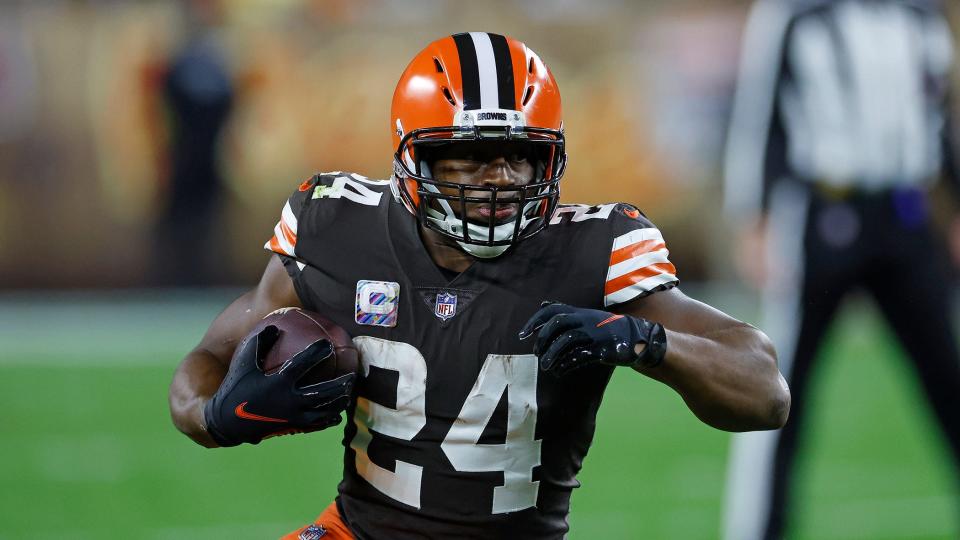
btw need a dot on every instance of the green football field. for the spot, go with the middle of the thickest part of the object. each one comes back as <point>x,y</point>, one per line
<point>88,450</point>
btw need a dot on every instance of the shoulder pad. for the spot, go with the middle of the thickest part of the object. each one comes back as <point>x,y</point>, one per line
<point>575,213</point>
<point>350,186</point>
<point>632,214</point>
<point>613,212</point>
<point>316,203</point>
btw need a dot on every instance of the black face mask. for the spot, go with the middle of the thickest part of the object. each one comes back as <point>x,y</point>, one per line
<point>421,191</point>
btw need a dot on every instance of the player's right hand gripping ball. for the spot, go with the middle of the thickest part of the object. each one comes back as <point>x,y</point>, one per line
<point>252,405</point>
<point>569,337</point>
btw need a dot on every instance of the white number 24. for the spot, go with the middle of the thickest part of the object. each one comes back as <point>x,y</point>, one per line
<point>516,457</point>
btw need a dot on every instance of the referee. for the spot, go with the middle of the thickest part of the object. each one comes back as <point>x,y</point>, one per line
<point>839,127</point>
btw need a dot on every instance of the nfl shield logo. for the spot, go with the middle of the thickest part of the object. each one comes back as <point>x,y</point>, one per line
<point>446,305</point>
<point>313,532</point>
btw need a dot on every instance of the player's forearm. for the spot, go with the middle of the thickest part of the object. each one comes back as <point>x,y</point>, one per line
<point>729,379</point>
<point>196,380</point>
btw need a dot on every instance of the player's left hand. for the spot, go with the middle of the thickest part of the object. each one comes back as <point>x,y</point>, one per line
<point>251,405</point>
<point>569,337</point>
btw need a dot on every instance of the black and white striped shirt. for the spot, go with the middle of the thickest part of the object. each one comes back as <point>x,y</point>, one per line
<point>844,93</point>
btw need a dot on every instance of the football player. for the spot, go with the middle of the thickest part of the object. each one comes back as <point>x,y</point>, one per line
<point>489,318</point>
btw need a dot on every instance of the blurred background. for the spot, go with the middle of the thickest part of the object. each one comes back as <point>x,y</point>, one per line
<point>143,139</point>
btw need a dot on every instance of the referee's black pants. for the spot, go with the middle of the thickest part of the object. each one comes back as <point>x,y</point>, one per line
<point>882,243</point>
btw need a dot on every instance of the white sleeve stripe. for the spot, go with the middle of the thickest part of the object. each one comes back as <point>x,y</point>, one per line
<point>286,246</point>
<point>635,236</point>
<point>288,217</point>
<point>629,293</point>
<point>635,263</point>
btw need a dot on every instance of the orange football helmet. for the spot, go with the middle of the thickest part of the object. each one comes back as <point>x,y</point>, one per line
<point>472,87</point>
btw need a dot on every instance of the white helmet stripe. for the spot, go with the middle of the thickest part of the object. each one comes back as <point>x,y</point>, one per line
<point>487,67</point>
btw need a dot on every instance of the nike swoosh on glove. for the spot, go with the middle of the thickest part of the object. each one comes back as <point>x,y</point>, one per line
<point>251,406</point>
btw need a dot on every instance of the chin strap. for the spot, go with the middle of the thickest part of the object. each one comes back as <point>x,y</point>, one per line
<point>448,221</point>
<point>483,252</point>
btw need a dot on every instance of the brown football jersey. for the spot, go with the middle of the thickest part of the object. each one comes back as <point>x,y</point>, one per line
<point>455,432</point>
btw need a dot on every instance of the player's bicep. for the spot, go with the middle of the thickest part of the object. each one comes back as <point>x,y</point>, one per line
<point>275,290</point>
<point>679,313</point>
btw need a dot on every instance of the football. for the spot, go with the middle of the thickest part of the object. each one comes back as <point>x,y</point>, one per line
<point>298,329</point>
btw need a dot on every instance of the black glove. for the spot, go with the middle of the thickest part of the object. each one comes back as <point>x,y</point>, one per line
<point>570,337</point>
<point>251,405</point>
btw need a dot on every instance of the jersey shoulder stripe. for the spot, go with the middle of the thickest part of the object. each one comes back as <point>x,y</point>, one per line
<point>314,199</point>
<point>628,255</point>
<point>284,240</point>
<point>639,264</point>
<point>352,187</point>
<point>577,213</point>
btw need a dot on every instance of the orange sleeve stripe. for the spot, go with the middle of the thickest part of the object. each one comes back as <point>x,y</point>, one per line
<point>276,247</point>
<point>288,233</point>
<point>637,276</point>
<point>631,251</point>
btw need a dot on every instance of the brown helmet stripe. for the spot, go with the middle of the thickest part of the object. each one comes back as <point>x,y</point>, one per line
<point>505,88</point>
<point>469,70</point>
